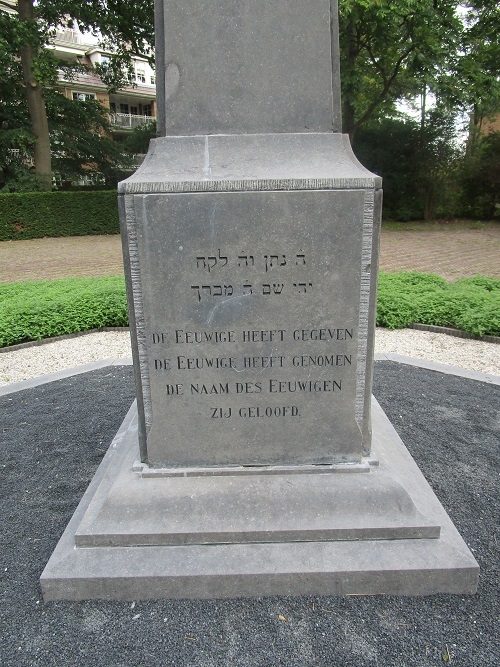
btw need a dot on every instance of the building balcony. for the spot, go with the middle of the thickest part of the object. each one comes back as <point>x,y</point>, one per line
<point>69,38</point>
<point>16,155</point>
<point>137,160</point>
<point>129,120</point>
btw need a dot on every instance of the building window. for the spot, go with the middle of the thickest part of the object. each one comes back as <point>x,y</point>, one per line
<point>83,97</point>
<point>140,75</point>
<point>123,108</point>
<point>147,110</point>
<point>112,107</point>
<point>134,111</point>
<point>153,79</point>
<point>105,61</point>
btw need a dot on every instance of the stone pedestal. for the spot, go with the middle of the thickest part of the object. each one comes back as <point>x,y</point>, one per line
<point>250,262</point>
<point>135,538</point>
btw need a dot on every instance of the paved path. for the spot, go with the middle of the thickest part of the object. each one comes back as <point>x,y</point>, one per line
<point>48,258</point>
<point>449,250</point>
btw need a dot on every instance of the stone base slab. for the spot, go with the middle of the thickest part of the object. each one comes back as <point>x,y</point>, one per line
<point>383,532</point>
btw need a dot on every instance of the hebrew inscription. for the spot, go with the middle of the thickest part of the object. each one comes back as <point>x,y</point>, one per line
<point>266,263</point>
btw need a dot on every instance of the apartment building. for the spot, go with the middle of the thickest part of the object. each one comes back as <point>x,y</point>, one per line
<point>130,107</point>
<point>491,124</point>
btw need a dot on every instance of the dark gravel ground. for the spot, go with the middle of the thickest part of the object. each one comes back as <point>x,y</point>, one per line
<point>53,438</point>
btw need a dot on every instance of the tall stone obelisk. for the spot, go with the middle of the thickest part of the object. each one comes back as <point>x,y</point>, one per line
<point>250,233</point>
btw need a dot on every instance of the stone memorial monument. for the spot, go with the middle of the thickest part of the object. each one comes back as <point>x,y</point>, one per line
<point>252,463</point>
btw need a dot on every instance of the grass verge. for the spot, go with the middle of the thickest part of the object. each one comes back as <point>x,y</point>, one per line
<point>470,304</point>
<point>43,309</point>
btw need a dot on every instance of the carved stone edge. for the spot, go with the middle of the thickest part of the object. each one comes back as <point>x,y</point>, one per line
<point>364,308</point>
<point>253,185</point>
<point>137,302</point>
<point>147,471</point>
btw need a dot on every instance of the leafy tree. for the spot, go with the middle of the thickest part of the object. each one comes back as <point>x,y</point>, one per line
<point>138,140</point>
<point>435,178</point>
<point>22,38</point>
<point>79,134</point>
<point>391,50</point>
<point>418,164</point>
<point>81,144</point>
<point>14,121</point>
<point>127,25</point>
<point>387,147</point>
<point>478,67</point>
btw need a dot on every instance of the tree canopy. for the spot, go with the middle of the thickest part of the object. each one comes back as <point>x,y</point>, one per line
<point>396,50</point>
<point>33,113</point>
<point>478,67</point>
<point>390,51</point>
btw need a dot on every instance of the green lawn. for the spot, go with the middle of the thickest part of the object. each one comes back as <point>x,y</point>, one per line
<point>43,309</point>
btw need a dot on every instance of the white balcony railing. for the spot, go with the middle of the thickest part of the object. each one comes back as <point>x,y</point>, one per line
<point>17,155</point>
<point>129,120</point>
<point>138,159</point>
<point>69,36</point>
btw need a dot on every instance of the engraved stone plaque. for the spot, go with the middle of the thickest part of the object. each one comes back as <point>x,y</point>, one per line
<point>251,327</point>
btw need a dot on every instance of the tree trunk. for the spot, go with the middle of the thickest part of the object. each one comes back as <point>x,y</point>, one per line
<point>429,202</point>
<point>475,124</point>
<point>36,104</point>
<point>423,105</point>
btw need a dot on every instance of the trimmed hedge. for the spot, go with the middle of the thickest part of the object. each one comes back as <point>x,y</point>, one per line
<point>33,215</point>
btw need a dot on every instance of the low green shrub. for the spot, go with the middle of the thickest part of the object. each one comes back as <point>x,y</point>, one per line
<point>36,310</point>
<point>33,215</point>
<point>470,304</point>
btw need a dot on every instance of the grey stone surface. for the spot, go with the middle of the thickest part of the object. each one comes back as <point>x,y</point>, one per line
<point>438,367</point>
<point>237,232</point>
<point>284,506</point>
<point>254,67</point>
<point>316,161</point>
<point>344,567</point>
<point>240,252</point>
<point>59,375</point>
<point>244,353</point>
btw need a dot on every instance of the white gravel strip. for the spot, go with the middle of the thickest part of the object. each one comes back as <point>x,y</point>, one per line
<point>473,355</point>
<point>32,362</point>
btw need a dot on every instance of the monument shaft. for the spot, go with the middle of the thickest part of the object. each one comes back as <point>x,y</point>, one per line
<point>234,67</point>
